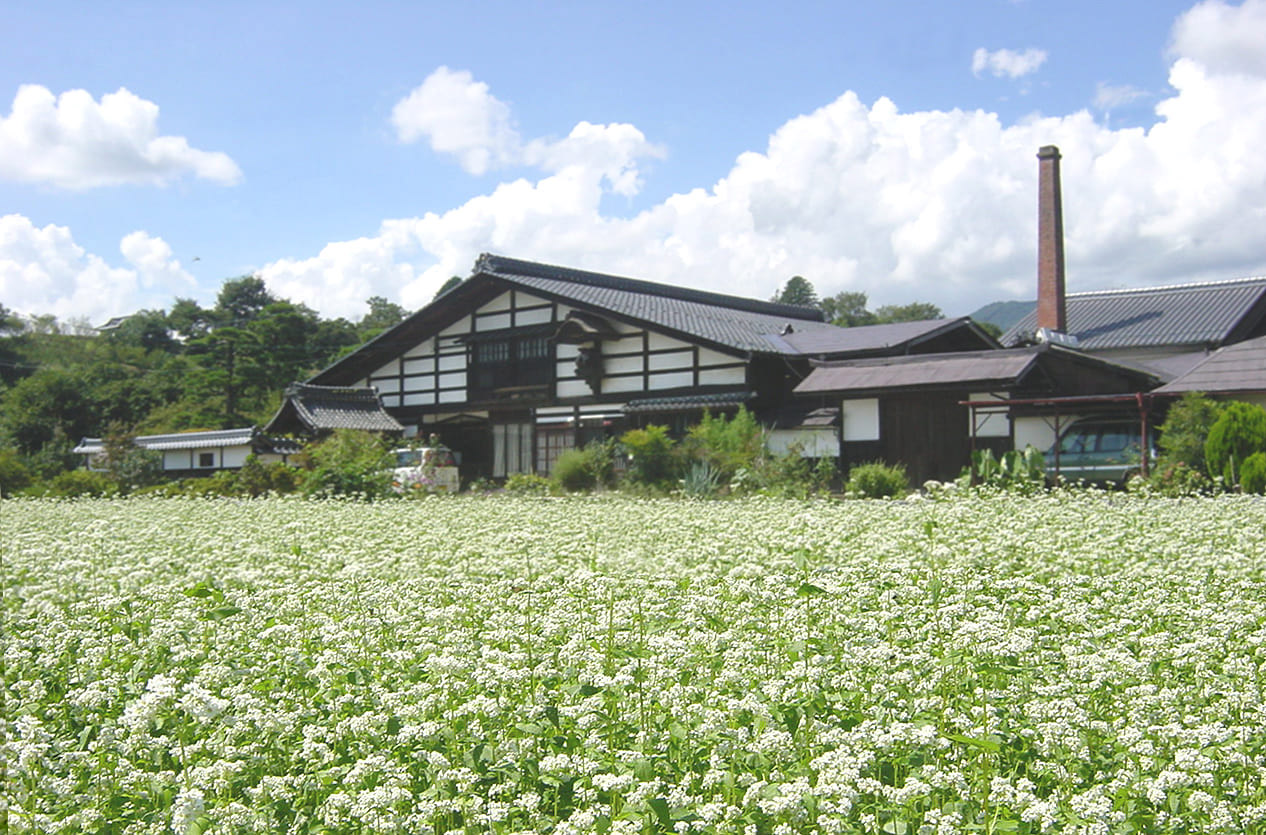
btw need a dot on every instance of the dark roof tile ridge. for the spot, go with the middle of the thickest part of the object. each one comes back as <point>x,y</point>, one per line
<point>502,266</point>
<point>1168,288</point>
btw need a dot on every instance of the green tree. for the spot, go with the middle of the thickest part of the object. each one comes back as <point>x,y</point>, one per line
<point>912,312</point>
<point>847,309</point>
<point>242,299</point>
<point>452,282</point>
<point>382,315</point>
<point>1185,430</point>
<point>149,330</point>
<point>48,405</point>
<point>798,290</point>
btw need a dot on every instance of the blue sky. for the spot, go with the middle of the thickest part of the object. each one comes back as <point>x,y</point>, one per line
<point>149,151</point>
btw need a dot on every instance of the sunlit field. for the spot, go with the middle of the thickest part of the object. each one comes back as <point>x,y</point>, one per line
<point>1080,663</point>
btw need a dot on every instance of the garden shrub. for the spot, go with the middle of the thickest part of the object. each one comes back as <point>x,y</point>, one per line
<point>77,483</point>
<point>1185,430</point>
<point>1024,472</point>
<point>1238,433</point>
<point>877,480</point>
<point>702,481</point>
<point>1176,480</point>
<point>728,444</point>
<point>586,468</point>
<point>348,463</point>
<point>1253,473</point>
<point>651,456</point>
<point>257,478</point>
<point>528,484</point>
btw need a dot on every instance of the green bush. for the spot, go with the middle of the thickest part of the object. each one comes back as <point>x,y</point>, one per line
<point>702,481</point>
<point>877,480</point>
<point>76,483</point>
<point>586,468</point>
<point>529,484</point>
<point>1253,473</point>
<point>257,478</point>
<point>1177,480</point>
<point>1238,433</point>
<point>348,463</point>
<point>14,475</point>
<point>728,444</point>
<point>651,456</point>
<point>1024,472</point>
<point>1185,430</point>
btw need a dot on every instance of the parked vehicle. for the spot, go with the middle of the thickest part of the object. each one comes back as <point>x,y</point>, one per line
<point>1099,450</point>
<point>428,469</point>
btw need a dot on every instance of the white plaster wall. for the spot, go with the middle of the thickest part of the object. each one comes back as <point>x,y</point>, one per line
<point>671,380</point>
<point>424,365</point>
<point>575,388</point>
<point>495,322</point>
<point>622,365</point>
<point>722,376</point>
<point>993,424</point>
<point>621,384</point>
<point>1039,431</point>
<point>531,317</point>
<point>860,418</point>
<point>453,362</point>
<point>815,443</point>
<point>677,359</point>
<point>461,326</point>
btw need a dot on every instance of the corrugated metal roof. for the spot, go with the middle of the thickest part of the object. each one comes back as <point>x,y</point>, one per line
<point>1180,314</point>
<point>1235,368</point>
<point>952,370</point>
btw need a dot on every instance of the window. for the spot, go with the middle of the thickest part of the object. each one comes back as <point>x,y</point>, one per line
<point>510,362</point>
<point>206,459</point>
<point>511,449</point>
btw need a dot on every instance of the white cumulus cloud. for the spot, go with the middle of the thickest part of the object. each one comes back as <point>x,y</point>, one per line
<point>1007,62</point>
<point>72,141</point>
<point>1224,38</point>
<point>43,270</point>
<point>457,115</point>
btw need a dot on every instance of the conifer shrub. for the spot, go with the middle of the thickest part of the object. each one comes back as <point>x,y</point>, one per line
<point>1253,474</point>
<point>1238,433</point>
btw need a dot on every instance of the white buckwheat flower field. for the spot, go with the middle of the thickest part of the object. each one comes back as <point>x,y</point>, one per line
<point>1077,662</point>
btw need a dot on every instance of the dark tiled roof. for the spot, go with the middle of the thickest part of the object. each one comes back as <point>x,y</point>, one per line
<point>729,321</point>
<point>325,408</point>
<point>205,439</point>
<point>688,403</point>
<point>1235,368</point>
<point>1180,314</point>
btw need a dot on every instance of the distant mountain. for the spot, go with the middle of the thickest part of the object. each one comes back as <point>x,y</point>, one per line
<point>1003,314</point>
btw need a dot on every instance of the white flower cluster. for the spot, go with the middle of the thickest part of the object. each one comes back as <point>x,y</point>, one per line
<point>1073,662</point>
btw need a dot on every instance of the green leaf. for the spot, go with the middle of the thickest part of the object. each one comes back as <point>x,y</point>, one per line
<point>660,807</point>
<point>989,745</point>
<point>809,590</point>
<point>222,612</point>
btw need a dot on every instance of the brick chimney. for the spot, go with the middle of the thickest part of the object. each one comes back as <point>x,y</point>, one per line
<point>1050,243</point>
